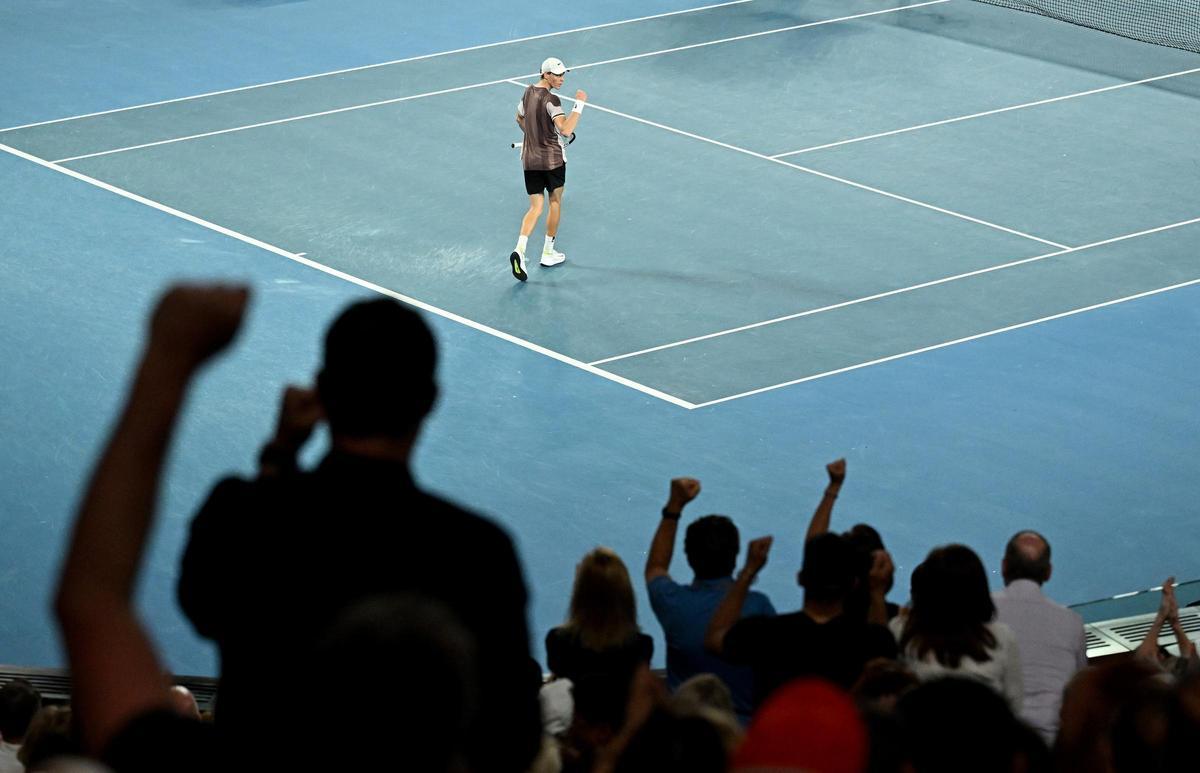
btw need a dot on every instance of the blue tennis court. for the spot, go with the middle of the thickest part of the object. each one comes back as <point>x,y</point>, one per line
<point>954,243</point>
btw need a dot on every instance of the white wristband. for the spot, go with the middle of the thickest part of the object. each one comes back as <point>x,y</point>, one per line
<point>578,107</point>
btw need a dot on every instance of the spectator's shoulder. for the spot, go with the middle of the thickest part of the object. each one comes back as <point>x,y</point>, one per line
<point>1003,632</point>
<point>758,604</point>
<point>663,586</point>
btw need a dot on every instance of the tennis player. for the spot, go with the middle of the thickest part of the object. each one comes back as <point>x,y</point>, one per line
<point>544,157</point>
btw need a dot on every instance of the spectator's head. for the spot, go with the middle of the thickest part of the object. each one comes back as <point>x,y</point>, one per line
<point>1027,557</point>
<point>671,740</point>
<point>951,607</point>
<point>1114,719</point>
<point>50,735</point>
<point>377,379</point>
<point>406,684</point>
<point>866,540</point>
<point>830,569</point>
<point>705,690</point>
<point>711,546</point>
<point>603,611</point>
<point>882,683</point>
<point>19,702</point>
<point>806,725</point>
<point>950,725</point>
<point>183,702</point>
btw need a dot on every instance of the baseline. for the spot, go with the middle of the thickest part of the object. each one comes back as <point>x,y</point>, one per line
<point>299,258</point>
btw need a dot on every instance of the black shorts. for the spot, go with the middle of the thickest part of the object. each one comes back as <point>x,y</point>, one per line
<point>538,180</point>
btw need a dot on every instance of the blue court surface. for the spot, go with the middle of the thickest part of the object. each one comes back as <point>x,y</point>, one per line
<point>957,244</point>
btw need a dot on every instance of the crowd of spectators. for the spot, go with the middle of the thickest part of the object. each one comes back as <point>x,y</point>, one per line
<point>415,610</point>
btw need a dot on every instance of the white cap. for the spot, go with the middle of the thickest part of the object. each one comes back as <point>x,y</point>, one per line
<point>554,66</point>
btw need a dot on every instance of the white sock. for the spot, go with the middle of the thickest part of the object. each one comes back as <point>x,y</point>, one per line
<point>521,242</point>
<point>549,247</point>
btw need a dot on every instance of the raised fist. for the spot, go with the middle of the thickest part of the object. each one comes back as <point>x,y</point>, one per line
<point>581,95</point>
<point>193,322</point>
<point>837,471</point>
<point>756,554</point>
<point>683,490</point>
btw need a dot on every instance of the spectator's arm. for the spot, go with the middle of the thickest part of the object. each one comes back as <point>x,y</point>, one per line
<point>658,562</point>
<point>299,412</point>
<point>730,608</point>
<point>821,516</point>
<point>1187,649</point>
<point>116,672</point>
<point>877,579</point>
<point>1148,649</point>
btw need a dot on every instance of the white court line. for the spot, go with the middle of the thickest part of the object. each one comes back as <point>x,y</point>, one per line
<point>488,83</point>
<point>278,121</point>
<point>898,291</point>
<point>379,64</point>
<point>351,278</point>
<point>955,342</point>
<point>750,35</point>
<point>815,172</point>
<point>989,112</point>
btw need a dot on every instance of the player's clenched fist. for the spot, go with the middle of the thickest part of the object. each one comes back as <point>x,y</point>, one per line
<point>581,95</point>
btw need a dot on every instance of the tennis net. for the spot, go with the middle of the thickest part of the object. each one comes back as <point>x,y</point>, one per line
<point>1174,23</point>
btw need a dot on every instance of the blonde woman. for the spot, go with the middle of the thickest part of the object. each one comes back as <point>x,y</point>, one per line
<point>601,636</point>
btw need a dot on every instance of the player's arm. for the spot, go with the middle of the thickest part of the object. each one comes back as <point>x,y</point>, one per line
<point>566,123</point>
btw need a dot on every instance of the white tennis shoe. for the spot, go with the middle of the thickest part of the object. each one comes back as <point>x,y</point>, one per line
<point>552,257</point>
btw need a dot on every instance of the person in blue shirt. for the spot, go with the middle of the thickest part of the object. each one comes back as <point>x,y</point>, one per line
<point>711,545</point>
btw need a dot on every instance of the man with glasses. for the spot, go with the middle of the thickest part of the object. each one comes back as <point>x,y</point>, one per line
<point>547,131</point>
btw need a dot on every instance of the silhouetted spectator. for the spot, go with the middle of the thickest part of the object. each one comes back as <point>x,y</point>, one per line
<point>711,545</point>
<point>949,631</point>
<point>707,690</point>
<point>273,562</point>
<point>19,703</point>
<point>1121,717</point>
<point>184,702</point>
<point>819,640</point>
<point>404,689</point>
<point>950,725</point>
<point>1051,639</point>
<point>601,636</point>
<point>873,564</point>
<point>51,739</point>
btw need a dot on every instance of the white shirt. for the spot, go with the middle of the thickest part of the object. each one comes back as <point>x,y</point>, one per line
<point>8,758</point>
<point>1053,648</point>
<point>1002,672</point>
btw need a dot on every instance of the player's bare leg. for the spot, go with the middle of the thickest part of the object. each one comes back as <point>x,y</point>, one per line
<point>550,256</point>
<point>517,258</point>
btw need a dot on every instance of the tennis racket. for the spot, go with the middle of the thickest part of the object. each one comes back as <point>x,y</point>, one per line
<point>517,145</point>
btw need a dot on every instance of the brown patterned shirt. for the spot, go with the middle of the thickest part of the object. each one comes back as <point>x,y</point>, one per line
<point>543,147</point>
